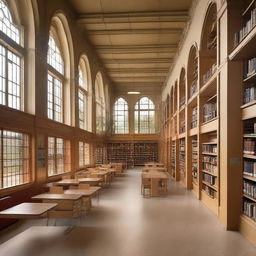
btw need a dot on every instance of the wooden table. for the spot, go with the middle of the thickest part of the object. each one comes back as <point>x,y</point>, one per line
<point>67,182</point>
<point>155,177</point>
<point>27,210</point>
<point>69,206</point>
<point>84,192</point>
<point>90,181</point>
<point>154,169</point>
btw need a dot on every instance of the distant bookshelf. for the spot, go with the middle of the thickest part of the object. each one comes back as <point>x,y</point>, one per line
<point>182,156</point>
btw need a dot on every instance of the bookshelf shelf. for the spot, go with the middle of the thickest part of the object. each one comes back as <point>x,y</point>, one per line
<point>249,197</point>
<point>249,177</point>
<point>210,186</point>
<point>250,6</point>
<point>210,173</point>
<point>250,156</point>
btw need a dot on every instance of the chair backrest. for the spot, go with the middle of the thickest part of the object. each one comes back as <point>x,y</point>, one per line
<point>66,176</point>
<point>83,186</point>
<point>56,190</point>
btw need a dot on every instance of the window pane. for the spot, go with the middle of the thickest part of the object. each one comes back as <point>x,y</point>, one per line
<point>55,99</point>
<point>15,159</point>
<point>54,57</point>
<point>59,160</point>
<point>6,23</point>
<point>144,116</point>
<point>121,115</point>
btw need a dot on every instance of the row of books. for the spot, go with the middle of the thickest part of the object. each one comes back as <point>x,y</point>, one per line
<point>210,168</point>
<point>250,168</point>
<point>194,146</point>
<point>209,148</point>
<point>250,126</point>
<point>250,209</point>
<point>250,68</point>
<point>212,180</point>
<point>249,25</point>
<point>211,192</point>
<point>210,159</point>
<point>249,94</point>
<point>209,111</point>
<point>194,118</point>
<point>249,188</point>
<point>250,146</point>
<point>209,73</point>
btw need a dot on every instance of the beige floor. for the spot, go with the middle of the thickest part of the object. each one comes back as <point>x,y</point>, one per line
<point>125,224</point>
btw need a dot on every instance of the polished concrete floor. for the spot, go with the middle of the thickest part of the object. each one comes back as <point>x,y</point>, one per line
<point>124,223</point>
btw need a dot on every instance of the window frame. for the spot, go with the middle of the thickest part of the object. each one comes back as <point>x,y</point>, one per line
<point>16,48</point>
<point>65,142</point>
<point>29,159</point>
<point>125,114</point>
<point>58,76</point>
<point>138,110</point>
<point>85,92</point>
<point>84,144</point>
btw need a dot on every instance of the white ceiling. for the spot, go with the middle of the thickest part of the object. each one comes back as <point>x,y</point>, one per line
<point>136,40</point>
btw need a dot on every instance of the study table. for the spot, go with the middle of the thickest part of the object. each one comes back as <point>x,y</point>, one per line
<point>68,205</point>
<point>155,178</point>
<point>154,164</point>
<point>76,182</point>
<point>27,210</point>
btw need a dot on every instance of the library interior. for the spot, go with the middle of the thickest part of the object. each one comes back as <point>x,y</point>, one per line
<point>128,127</point>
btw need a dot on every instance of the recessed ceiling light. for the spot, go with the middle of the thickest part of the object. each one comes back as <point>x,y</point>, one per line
<point>133,92</point>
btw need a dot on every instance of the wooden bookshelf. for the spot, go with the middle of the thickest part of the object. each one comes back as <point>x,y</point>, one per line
<point>244,53</point>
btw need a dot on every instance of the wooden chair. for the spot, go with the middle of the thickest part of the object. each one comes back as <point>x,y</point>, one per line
<point>56,190</point>
<point>145,185</point>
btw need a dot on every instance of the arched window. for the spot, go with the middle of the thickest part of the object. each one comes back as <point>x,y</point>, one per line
<point>55,81</point>
<point>100,104</point>
<point>144,116</point>
<point>11,90</point>
<point>120,117</point>
<point>83,94</point>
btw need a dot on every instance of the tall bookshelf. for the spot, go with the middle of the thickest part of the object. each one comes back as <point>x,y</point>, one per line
<point>195,119</point>
<point>173,158</point>
<point>243,52</point>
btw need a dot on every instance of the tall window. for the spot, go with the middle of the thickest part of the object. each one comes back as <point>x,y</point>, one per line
<point>10,61</point>
<point>100,105</point>
<point>83,95</point>
<point>121,115</point>
<point>14,159</point>
<point>58,156</point>
<point>144,116</point>
<point>55,81</point>
<point>84,153</point>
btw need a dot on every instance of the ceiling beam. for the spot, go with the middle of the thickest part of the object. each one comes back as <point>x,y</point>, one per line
<point>122,49</point>
<point>134,31</point>
<point>136,17</point>
<point>137,61</point>
<point>137,70</point>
